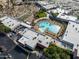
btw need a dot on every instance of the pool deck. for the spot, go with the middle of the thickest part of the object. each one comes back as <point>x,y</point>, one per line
<point>53,35</point>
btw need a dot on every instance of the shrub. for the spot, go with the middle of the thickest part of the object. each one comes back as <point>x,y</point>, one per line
<point>40,14</point>
<point>54,52</point>
<point>4,28</point>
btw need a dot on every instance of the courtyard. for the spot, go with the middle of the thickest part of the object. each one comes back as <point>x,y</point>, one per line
<point>49,27</point>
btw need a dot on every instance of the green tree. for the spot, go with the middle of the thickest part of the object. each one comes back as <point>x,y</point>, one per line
<point>40,14</point>
<point>4,28</point>
<point>78,17</point>
<point>54,52</point>
<point>54,14</point>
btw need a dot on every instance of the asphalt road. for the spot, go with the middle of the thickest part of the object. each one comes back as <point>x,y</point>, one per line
<point>15,51</point>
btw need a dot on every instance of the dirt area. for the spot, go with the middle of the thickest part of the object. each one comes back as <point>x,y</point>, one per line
<point>22,12</point>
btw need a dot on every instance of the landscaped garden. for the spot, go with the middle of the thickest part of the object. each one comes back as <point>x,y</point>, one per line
<point>40,13</point>
<point>54,52</point>
<point>4,28</point>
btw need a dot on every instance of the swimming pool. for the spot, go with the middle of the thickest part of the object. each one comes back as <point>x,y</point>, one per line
<point>46,25</point>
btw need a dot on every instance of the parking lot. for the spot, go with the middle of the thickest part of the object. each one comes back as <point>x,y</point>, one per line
<point>15,51</point>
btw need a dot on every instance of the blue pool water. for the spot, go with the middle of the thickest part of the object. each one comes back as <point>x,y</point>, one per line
<point>43,25</point>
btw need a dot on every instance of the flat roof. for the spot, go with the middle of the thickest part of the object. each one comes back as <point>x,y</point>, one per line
<point>67,17</point>
<point>18,1</point>
<point>26,25</point>
<point>72,34</point>
<point>59,10</point>
<point>49,6</point>
<point>44,40</point>
<point>31,38</point>
<point>46,4</point>
<point>42,3</point>
<point>30,34</point>
<point>9,22</point>
<point>27,41</point>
